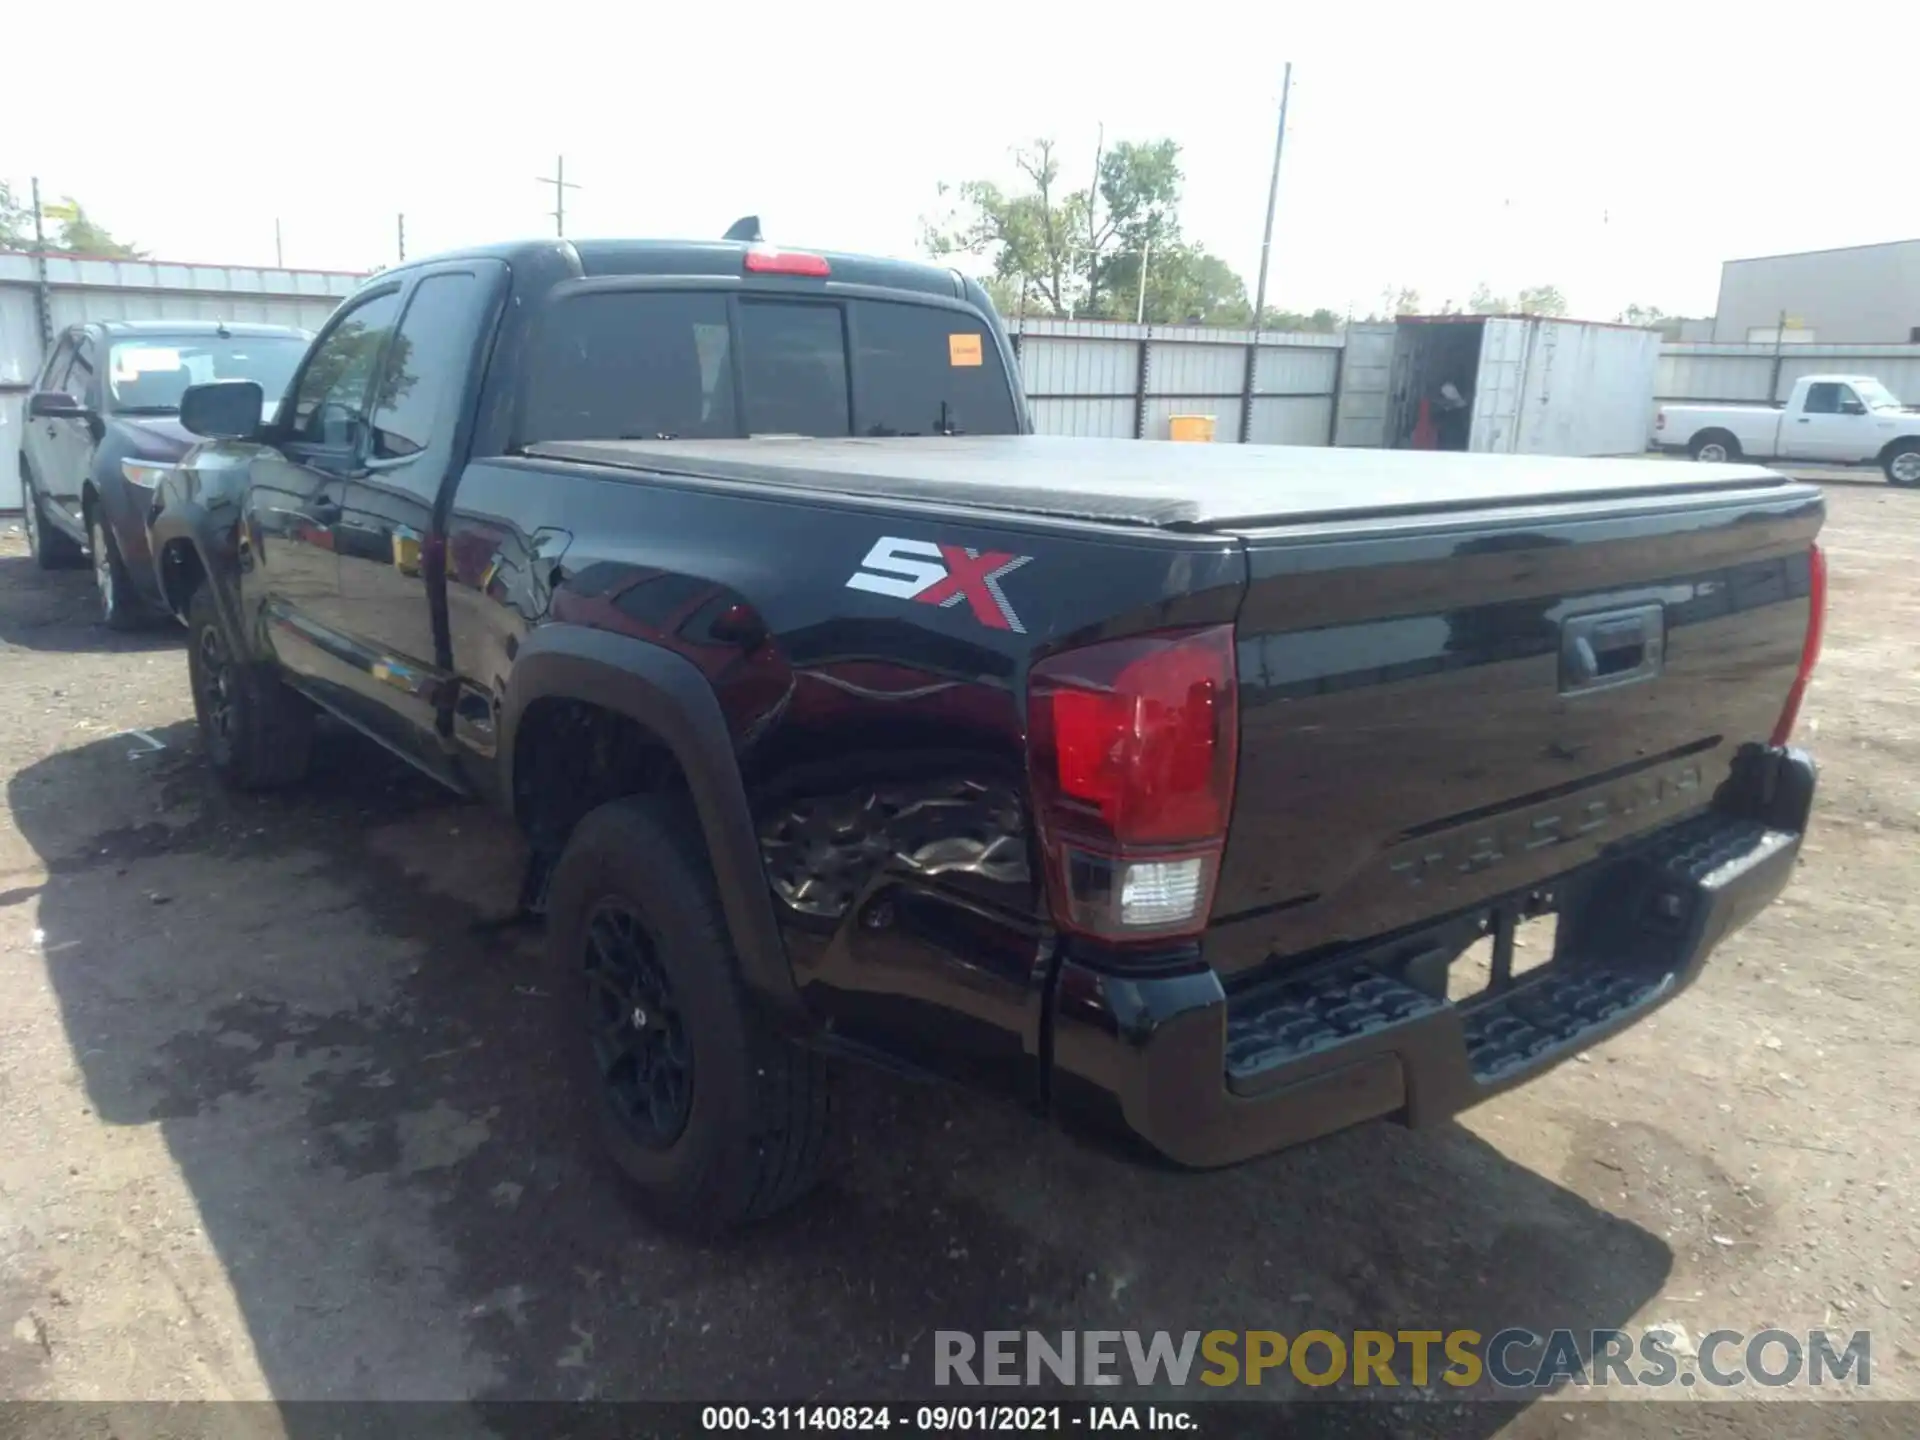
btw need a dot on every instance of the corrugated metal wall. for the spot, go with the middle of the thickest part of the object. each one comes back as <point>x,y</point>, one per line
<point>136,290</point>
<point>1085,377</point>
<point>1082,377</point>
<point>1716,371</point>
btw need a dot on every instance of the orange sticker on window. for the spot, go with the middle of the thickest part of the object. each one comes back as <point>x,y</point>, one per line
<point>963,349</point>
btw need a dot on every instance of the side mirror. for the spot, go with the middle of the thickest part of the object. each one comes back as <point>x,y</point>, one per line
<point>223,409</point>
<point>1853,407</point>
<point>55,405</point>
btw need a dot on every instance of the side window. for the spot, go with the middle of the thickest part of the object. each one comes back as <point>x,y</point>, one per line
<point>79,381</point>
<point>1823,399</point>
<point>923,370</point>
<point>58,363</point>
<point>424,366</point>
<point>1850,402</point>
<point>793,363</point>
<point>331,399</point>
<point>632,365</point>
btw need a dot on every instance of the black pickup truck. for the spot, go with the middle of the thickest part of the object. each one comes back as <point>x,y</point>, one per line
<point>1195,792</point>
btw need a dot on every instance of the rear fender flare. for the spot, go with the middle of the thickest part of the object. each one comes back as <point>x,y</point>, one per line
<point>669,696</point>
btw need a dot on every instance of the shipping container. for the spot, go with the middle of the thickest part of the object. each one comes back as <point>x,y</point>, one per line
<point>1503,384</point>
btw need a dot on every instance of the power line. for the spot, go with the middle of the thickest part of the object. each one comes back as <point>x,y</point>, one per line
<point>560,185</point>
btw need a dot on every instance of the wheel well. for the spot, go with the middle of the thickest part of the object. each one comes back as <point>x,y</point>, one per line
<point>572,756</point>
<point>1715,432</point>
<point>1894,447</point>
<point>181,572</point>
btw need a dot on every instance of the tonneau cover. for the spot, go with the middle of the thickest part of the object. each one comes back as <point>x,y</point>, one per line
<point>1167,485</point>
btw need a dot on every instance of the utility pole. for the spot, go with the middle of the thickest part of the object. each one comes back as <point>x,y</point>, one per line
<point>560,185</point>
<point>279,256</point>
<point>1779,342</point>
<point>1250,379</point>
<point>1093,209</point>
<point>43,299</point>
<point>1146,259</point>
<point>1273,195</point>
<point>403,239</point>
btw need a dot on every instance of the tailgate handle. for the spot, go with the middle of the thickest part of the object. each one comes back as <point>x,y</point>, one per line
<point>1616,647</point>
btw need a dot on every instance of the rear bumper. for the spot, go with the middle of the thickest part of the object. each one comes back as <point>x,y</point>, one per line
<point>1209,1079</point>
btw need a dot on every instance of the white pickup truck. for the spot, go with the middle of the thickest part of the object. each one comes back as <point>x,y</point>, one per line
<point>1829,419</point>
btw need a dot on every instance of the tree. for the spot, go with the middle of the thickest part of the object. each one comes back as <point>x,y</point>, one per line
<point>1004,293</point>
<point>1053,250</point>
<point>1063,251</point>
<point>1401,300</point>
<point>16,221</point>
<point>1319,322</point>
<point>1035,241</point>
<point>79,235</point>
<point>1532,300</point>
<point>1139,191</point>
<point>1648,315</point>
<point>1484,302</point>
<point>1542,300</point>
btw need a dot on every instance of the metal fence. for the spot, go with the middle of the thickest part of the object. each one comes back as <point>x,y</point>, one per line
<point>1763,374</point>
<point>76,290</point>
<point>1101,378</point>
<point>1082,377</point>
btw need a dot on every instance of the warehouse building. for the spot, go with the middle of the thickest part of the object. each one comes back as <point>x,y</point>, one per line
<point>1862,294</point>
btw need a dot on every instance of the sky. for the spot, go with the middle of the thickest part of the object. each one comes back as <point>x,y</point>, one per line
<point>1618,151</point>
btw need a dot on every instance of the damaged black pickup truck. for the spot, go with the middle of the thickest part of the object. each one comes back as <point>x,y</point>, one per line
<point>1196,792</point>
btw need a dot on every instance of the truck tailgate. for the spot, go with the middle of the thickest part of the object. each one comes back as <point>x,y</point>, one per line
<point>1436,714</point>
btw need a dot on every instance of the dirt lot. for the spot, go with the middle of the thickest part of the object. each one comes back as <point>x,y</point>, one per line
<point>280,1116</point>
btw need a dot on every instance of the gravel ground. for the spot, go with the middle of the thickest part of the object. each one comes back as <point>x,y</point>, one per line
<point>281,1116</point>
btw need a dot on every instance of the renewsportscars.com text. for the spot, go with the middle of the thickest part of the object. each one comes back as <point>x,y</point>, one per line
<point>1511,1359</point>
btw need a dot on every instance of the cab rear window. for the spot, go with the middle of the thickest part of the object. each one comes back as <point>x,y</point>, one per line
<point>687,364</point>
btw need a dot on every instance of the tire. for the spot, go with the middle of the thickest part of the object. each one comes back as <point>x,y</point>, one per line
<point>1902,463</point>
<point>51,550</point>
<point>1714,447</point>
<point>120,607</point>
<point>258,734</point>
<point>717,1120</point>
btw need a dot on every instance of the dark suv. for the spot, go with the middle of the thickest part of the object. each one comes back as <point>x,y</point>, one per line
<point>103,425</point>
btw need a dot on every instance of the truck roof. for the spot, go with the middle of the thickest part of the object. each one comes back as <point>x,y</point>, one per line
<point>136,328</point>
<point>1161,485</point>
<point>720,258</point>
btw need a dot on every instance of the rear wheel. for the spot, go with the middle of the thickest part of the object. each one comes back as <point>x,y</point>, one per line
<point>1714,447</point>
<point>258,733</point>
<point>50,549</point>
<point>119,607</point>
<point>716,1119</point>
<point>1902,463</point>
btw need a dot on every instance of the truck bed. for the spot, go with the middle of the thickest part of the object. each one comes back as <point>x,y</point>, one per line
<point>1164,486</point>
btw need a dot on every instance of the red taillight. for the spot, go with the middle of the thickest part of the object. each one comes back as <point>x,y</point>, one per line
<point>1810,647</point>
<point>762,261</point>
<point>1660,420</point>
<point>1131,747</point>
